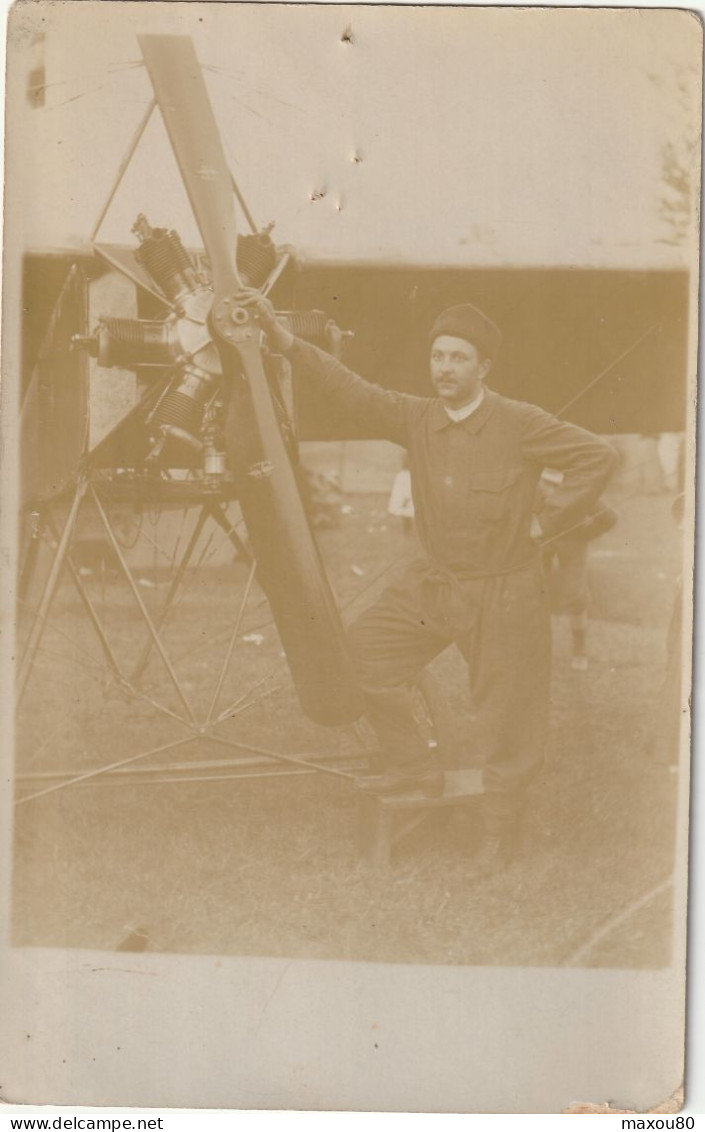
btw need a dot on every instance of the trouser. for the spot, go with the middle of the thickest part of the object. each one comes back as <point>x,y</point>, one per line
<point>502,626</point>
<point>572,555</point>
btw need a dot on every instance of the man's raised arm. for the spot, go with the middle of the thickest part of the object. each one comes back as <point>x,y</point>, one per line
<point>379,412</point>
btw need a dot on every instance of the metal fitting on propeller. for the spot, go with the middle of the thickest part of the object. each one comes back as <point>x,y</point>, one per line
<point>231,321</point>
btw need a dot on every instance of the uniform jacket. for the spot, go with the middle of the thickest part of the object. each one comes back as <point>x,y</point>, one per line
<point>473,481</point>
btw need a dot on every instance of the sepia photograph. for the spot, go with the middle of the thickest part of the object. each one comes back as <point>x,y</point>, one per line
<point>348,414</point>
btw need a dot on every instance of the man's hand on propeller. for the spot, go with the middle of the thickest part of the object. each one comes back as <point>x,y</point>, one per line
<point>280,337</point>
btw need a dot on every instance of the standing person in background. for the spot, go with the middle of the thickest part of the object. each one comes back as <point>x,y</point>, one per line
<point>401,503</point>
<point>570,551</point>
<point>475,459</point>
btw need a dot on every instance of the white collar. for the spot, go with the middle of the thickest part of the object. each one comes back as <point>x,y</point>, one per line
<point>467,410</point>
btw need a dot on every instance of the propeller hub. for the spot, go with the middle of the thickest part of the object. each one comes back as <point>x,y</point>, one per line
<point>231,321</point>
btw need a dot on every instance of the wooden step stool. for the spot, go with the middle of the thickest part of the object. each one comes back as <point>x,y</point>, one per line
<point>383,820</point>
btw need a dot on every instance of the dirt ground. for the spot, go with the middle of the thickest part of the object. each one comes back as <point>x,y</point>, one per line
<point>268,866</point>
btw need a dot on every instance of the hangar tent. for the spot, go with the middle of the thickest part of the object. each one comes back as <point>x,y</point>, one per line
<point>541,162</point>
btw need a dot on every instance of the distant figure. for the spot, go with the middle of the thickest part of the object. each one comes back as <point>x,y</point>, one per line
<point>570,550</point>
<point>401,502</point>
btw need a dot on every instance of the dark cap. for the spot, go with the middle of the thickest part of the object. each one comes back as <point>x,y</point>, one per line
<point>469,323</point>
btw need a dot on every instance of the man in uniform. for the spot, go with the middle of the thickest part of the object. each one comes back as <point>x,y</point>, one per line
<point>475,459</point>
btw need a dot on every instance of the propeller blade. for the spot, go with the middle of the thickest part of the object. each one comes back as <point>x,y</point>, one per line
<point>289,567</point>
<point>182,97</point>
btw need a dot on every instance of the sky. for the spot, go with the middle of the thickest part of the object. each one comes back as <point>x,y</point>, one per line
<point>459,137</point>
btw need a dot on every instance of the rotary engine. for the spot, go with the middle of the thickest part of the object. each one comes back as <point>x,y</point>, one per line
<point>188,417</point>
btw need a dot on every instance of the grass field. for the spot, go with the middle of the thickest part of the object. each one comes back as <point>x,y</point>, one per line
<point>268,866</point>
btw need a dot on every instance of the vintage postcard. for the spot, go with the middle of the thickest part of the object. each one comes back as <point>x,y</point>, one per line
<point>348,412</point>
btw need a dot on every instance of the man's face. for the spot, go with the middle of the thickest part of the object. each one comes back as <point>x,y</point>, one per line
<point>457,370</point>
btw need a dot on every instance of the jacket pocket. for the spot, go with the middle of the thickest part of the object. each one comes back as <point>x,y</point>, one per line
<point>491,492</point>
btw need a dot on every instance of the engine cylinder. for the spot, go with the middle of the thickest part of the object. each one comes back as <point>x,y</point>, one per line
<point>181,406</point>
<point>256,258</point>
<point>163,255</point>
<point>130,342</point>
<point>310,325</point>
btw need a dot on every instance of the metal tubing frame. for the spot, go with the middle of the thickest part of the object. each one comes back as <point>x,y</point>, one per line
<point>142,607</point>
<point>218,515</point>
<point>120,681</point>
<point>196,731</point>
<point>279,757</point>
<point>139,281</point>
<point>104,769</point>
<point>124,773</point>
<point>90,610</point>
<point>232,709</point>
<point>119,774</point>
<point>143,660</point>
<point>26,572</point>
<point>49,590</point>
<point>243,204</point>
<point>122,168</point>
<point>49,333</point>
<point>231,645</point>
